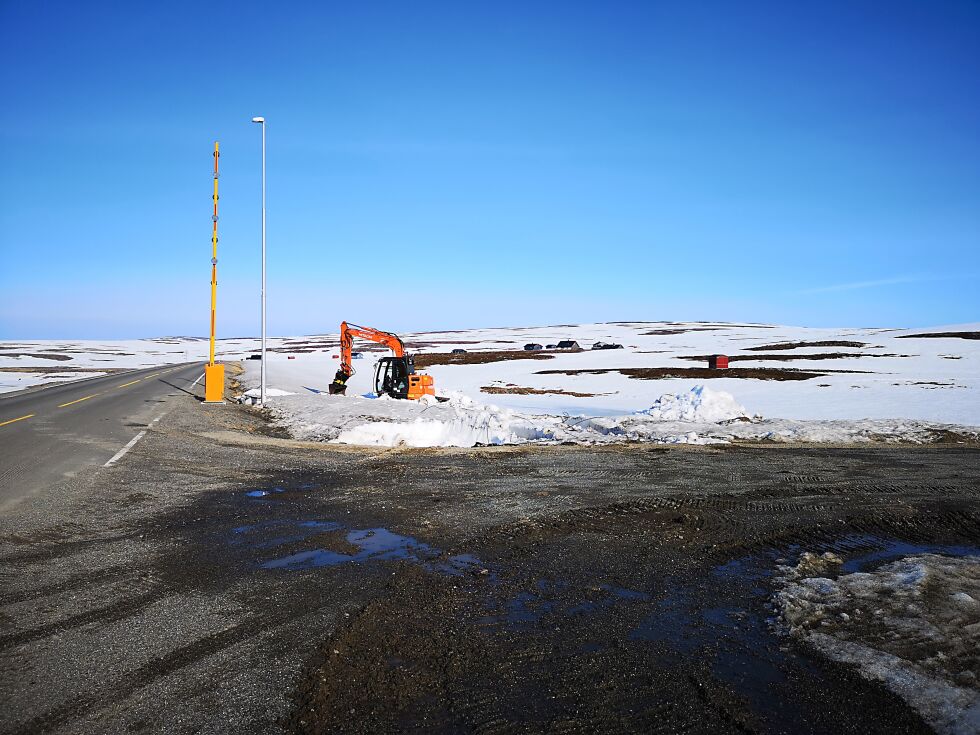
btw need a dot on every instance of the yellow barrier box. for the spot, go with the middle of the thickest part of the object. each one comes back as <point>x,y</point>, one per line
<point>214,383</point>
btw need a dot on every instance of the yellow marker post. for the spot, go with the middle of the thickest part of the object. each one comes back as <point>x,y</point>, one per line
<point>214,375</point>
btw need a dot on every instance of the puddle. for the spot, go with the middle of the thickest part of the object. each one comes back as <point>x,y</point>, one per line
<point>263,493</point>
<point>892,550</point>
<point>528,608</point>
<point>373,545</point>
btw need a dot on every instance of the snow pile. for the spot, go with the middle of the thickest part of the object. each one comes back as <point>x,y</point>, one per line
<point>254,395</point>
<point>462,423</point>
<point>699,404</point>
<point>912,624</point>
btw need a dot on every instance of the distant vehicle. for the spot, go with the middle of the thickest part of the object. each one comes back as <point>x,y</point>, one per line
<point>530,346</point>
<point>357,356</point>
<point>254,357</point>
<point>459,351</point>
<point>606,346</point>
<point>551,347</point>
<point>569,344</point>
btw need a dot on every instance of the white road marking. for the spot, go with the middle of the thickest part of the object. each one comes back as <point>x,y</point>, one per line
<point>132,442</point>
<point>197,381</point>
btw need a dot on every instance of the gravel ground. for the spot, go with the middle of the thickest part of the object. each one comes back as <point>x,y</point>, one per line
<point>224,579</point>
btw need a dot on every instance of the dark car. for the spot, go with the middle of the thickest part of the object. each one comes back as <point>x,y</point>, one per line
<point>606,346</point>
<point>459,351</point>
<point>532,346</point>
<point>254,357</point>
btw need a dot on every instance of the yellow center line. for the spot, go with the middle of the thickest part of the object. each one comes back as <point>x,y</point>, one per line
<point>132,382</point>
<point>79,400</point>
<point>4,423</point>
<point>153,376</point>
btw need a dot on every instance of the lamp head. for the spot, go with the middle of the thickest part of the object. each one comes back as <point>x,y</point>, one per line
<point>258,119</point>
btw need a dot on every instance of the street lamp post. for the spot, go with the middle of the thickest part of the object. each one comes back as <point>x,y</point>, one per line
<point>261,121</point>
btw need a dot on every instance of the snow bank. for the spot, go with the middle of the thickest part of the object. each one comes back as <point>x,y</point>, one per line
<point>913,624</point>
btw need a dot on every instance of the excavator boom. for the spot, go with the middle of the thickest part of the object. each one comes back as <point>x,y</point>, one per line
<point>349,331</point>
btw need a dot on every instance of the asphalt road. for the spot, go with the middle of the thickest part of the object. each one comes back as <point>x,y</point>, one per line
<point>49,434</point>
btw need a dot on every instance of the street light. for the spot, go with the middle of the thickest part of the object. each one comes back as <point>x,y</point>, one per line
<point>261,121</point>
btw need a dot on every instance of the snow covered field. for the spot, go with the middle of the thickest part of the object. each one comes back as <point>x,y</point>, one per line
<point>25,364</point>
<point>860,384</point>
<point>807,384</point>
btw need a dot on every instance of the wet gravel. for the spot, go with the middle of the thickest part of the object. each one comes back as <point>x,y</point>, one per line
<point>224,580</point>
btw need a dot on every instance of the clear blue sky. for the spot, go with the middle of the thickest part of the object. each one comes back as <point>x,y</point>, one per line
<point>443,165</point>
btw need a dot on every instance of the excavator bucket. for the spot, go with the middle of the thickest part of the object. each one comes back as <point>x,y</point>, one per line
<point>337,389</point>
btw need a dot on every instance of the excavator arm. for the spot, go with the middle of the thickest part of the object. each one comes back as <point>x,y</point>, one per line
<point>349,331</point>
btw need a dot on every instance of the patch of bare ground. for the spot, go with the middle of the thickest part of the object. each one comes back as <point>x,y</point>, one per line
<point>960,335</point>
<point>666,332</point>
<point>820,343</point>
<point>37,355</point>
<point>525,391</point>
<point>45,369</point>
<point>428,359</point>
<point>700,373</point>
<point>789,358</point>
<point>945,436</point>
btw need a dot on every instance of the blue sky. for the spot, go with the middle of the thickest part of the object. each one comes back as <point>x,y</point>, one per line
<point>444,165</point>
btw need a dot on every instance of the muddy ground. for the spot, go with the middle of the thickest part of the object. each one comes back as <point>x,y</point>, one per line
<point>225,579</point>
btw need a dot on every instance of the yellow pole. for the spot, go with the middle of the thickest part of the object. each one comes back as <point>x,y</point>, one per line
<point>214,375</point>
<point>214,254</point>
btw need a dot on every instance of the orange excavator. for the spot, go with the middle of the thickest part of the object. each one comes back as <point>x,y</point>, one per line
<point>394,376</point>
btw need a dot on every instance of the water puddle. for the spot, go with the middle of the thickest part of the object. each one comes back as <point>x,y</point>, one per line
<point>370,544</point>
<point>263,493</point>
<point>277,490</point>
<point>560,598</point>
<point>890,550</point>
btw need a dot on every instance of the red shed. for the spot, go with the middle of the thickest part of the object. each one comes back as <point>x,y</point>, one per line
<point>718,362</point>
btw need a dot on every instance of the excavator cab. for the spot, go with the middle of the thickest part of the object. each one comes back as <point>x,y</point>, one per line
<point>396,377</point>
<point>391,377</point>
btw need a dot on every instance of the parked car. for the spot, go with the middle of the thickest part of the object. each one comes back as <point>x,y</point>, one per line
<point>551,347</point>
<point>533,346</point>
<point>254,357</point>
<point>459,351</point>
<point>606,346</point>
<point>357,356</point>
